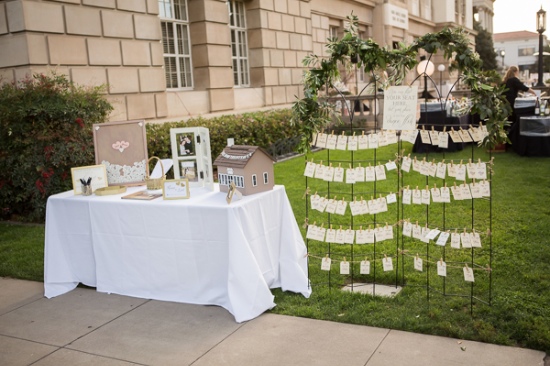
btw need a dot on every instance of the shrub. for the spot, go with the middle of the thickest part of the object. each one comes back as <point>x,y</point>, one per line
<point>258,129</point>
<point>45,129</point>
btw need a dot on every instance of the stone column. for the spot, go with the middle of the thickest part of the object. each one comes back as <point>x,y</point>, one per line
<point>211,51</point>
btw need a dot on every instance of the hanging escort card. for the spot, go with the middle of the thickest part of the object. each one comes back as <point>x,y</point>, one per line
<point>400,104</point>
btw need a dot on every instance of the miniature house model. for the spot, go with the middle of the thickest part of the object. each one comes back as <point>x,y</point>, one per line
<point>249,167</point>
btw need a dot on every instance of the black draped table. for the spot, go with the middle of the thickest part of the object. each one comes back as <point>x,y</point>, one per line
<point>531,136</point>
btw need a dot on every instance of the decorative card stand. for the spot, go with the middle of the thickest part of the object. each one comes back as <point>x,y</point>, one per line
<point>191,155</point>
<point>97,173</point>
<point>122,148</point>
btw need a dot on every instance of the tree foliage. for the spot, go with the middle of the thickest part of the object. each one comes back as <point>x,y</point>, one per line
<point>485,48</point>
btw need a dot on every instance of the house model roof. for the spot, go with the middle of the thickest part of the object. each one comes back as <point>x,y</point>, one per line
<point>237,156</point>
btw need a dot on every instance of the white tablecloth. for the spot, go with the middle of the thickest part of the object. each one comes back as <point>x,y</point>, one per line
<point>200,250</point>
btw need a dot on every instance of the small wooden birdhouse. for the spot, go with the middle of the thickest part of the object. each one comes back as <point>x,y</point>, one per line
<point>249,167</point>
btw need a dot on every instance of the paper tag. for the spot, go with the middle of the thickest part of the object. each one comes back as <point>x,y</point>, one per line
<point>455,240</point>
<point>341,207</point>
<point>441,170</point>
<point>380,172</point>
<point>311,229</point>
<point>355,208</point>
<point>325,264</point>
<point>365,267</point>
<point>436,194</point>
<point>352,143</point>
<point>481,171</point>
<point>350,175</point>
<point>320,171</point>
<point>476,240</point>
<point>390,165</point>
<point>457,193</point>
<point>321,140</point>
<point>331,206</point>
<point>425,137</point>
<point>361,237</point>
<point>418,264</point>
<point>417,232</point>
<point>407,194</point>
<point>465,240</point>
<point>360,174</point>
<point>329,174</point>
<point>416,197</point>
<point>391,198</point>
<point>407,228</point>
<point>485,188</point>
<point>425,197</point>
<point>460,172</point>
<point>370,174</point>
<point>434,136</point>
<point>310,169</point>
<point>338,174</point>
<point>331,142</point>
<point>432,234</point>
<point>445,194</point>
<point>468,274</point>
<point>373,141</point>
<point>349,236</point>
<point>314,201</point>
<point>442,240</point>
<point>344,268</point>
<point>363,142</point>
<point>339,239</point>
<point>387,264</point>
<point>475,189</point>
<point>442,268</point>
<point>406,164</point>
<point>321,232</point>
<point>330,236</point>
<point>443,140</point>
<point>341,142</point>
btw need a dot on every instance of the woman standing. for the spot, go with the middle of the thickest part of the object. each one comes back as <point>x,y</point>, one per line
<point>513,87</point>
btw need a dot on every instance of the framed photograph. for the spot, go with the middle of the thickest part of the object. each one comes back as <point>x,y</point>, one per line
<point>175,189</point>
<point>186,145</point>
<point>97,175</point>
<point>188,170</point>
<point>122,148</point>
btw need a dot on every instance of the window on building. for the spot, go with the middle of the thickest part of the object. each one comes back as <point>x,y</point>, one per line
<point>254,180</point>
<point>332,33</point>
<point>239,44</point>
<point>226,179</point>
<point>427,12</point>
<point>526,51</point>
<point>176,43</point>
<point>415,7</point>
<point>266,180</point>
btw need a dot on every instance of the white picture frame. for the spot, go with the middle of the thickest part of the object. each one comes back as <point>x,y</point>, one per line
<point>191,156</point>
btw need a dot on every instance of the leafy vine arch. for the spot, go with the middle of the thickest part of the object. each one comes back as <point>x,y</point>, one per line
<point>313,114</point>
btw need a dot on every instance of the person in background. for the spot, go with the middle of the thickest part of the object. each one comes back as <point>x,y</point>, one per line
<point>513,87</point>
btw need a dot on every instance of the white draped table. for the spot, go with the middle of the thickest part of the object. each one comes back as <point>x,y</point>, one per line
<point>199,250</point>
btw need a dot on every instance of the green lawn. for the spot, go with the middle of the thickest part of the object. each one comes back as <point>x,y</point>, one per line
<point>519,314</point>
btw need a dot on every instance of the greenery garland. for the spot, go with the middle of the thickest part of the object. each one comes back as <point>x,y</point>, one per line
<point>312,114</point>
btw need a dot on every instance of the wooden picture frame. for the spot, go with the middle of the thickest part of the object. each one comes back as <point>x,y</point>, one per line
<point>122,148</point>
<point>97,173</point>
<point>175,189</point>
<point>233,194</point>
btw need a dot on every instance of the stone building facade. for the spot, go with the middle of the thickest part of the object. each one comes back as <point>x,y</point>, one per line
<point>172,59</point>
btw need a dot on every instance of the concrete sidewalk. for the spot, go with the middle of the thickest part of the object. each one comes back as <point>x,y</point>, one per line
<point>86,327</point>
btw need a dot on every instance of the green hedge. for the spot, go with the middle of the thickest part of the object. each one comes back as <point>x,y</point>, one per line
<point>45,129</point>
<point>257,129</point>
